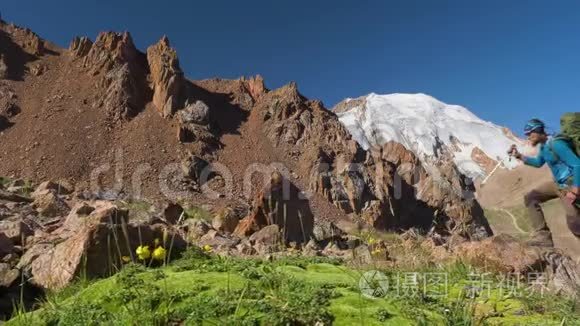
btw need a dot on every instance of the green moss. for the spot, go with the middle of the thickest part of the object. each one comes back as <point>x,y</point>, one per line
<point>212,290</point>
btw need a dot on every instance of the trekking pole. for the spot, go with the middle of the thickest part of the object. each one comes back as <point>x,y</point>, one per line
<point>510,155</point>
<point>491,173</point>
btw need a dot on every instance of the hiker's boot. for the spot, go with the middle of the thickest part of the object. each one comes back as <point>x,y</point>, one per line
<point>542,238</point>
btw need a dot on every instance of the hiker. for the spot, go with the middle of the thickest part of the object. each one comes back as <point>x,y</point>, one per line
<point>559,152</point>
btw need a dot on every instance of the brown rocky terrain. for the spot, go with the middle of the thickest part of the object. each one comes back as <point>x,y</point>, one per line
<point>103,115</point>
<point>114,128</point>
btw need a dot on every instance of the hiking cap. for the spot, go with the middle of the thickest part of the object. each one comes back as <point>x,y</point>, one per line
<point>534,125</point>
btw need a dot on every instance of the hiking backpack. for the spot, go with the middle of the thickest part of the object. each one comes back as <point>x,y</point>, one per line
<point>569,132</point>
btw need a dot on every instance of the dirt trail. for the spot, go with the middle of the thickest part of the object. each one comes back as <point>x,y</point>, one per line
<point>505,191</point>
<point>514,220</point>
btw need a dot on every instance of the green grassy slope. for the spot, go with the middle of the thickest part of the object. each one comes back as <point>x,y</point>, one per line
<point>203,290</point>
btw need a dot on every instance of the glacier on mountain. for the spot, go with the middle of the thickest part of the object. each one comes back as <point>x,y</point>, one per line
<point>427,127</point>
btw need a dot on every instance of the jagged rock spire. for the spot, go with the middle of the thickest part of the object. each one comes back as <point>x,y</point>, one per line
<point>167,77</point>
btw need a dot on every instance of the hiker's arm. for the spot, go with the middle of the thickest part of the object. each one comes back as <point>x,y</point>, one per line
<point>537,161</point>
<point>569,157</point>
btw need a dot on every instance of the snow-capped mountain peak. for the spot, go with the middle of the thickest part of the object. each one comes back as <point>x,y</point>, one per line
<point>429,128</point>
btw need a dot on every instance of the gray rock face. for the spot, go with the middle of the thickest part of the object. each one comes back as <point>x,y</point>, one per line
<point>197,113</point>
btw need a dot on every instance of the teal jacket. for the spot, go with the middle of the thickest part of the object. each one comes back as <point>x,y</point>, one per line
<point>565,167</point>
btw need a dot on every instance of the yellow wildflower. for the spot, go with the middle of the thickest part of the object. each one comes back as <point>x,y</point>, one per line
<point>372,241</point>
<point>143,252</point>
<point>207,248</point>
<point>159,253</point>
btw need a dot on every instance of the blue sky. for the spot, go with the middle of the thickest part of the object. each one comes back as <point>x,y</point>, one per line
<point>506,61</point>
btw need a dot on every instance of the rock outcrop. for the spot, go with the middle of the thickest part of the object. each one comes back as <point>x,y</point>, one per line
<point>122,70</point>
<point>80,46</point>
<point>167,78</point>
<point>26,39</point>
<point>93,243</point>
<point>194,124</point>
<point>388,186</point>
<point>280,203</point>
<point>255,86</point>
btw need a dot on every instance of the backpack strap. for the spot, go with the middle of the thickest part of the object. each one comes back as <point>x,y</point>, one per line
<point>563,138</point>
<point>551,148</point>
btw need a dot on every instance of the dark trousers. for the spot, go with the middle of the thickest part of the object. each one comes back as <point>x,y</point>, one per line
<point>544,193</point>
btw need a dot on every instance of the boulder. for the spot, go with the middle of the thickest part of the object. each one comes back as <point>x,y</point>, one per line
<point>98,212</point>
<point>49,204</point>
<point>225,220</point>
<point>191,132</point>
<point>8,275</point>
<point>245,248</point>
<point>215,239</point>
<point>280,202</point>
<point>196,228</point>
<point>15,230</point>
<point>362,255</point>
<point>33,253</point>
<point>312,248</point>
<point>326,231</point>
<point>563,274</point>
<point>93,245</point>
<point>196,113</point>
<point>269,235</point>
<point>59,187</point>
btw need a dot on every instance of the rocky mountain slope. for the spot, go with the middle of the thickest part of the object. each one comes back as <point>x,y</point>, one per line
<point>115,121</point>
